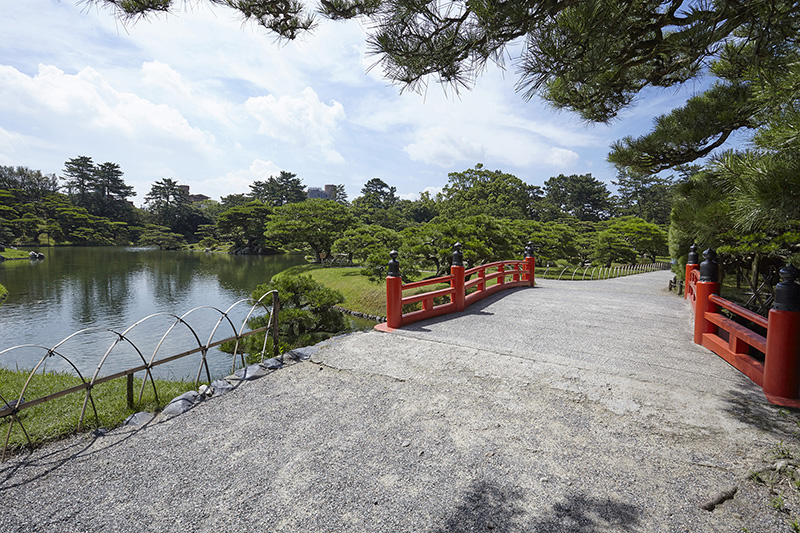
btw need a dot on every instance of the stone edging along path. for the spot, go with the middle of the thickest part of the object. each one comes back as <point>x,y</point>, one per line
<point>187,400</point>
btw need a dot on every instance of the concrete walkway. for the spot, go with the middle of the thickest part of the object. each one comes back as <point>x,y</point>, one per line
<point>574,406</point>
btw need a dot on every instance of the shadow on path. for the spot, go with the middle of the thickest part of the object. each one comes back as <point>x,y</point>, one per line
<point>487,506</point>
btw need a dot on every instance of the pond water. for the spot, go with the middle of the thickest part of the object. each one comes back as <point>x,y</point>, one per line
<point>113,288</point>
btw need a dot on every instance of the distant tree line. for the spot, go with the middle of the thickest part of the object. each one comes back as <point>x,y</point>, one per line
<point>570,218</point>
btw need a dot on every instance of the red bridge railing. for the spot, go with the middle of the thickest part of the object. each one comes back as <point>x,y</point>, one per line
<point>466,286</point>
<point>771,361</point>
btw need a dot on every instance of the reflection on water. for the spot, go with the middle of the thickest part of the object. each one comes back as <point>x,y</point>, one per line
<point>114,287</point>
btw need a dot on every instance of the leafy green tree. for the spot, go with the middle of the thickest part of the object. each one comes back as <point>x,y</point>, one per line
<point>339,194</point>
<point>377,194</point>
<point>646,238</point>
<point>90,237</point>
<point>110,192</point>
<point>7,231</point>
<point>209,235</point>
<point>314,224</point>
<point>307,314</point>
<point>234,200</point>
<point>32,184</point>
<point>210,209</point>
<point>245,224</point>
<point>581,196</point>
<point>161,236</point>
<point>7,211</point>
<point>80,175</point>
<point>647,196</point>
<point>552,241</point>
<point>484,239</point>
<point>168,205</point>
<point>287,188</point>
<point>610,246</point>
<point>54,231</point>
<point>30,226</point>
<point>425,209</point>
<point>480,191</point>
<point>380,205</point>
<point>369,245</point>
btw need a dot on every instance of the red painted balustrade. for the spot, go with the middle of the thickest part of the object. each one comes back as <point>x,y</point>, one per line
<point>771,361</point>
<point>466,286</point>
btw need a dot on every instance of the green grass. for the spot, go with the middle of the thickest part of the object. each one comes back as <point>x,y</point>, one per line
<point>360,294</point>
<point>59,418</point>
<point>15,254</point>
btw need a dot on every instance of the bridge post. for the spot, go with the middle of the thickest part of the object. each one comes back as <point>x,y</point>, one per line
<point>708,285</point>
<point>782,360</point>
<point>394,293</point>
<point>531,260</point>
<point>691,264</point>
<point>457,283</point>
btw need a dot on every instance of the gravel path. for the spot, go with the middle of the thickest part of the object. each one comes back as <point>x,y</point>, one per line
<point>574,407</point>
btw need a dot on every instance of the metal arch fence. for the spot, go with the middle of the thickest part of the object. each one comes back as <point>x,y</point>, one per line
<point>598,273</point>
<point>13,407</point>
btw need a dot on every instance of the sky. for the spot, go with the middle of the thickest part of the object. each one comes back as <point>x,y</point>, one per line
<point>214,103</point>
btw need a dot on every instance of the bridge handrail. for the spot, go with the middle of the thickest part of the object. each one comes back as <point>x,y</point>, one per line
<point>461,293</point>
<point>738,310</point>
<point>691,285</point>
<point>779,372</point>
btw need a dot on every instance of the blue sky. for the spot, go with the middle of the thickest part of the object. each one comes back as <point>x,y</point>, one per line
<point>202,98</point>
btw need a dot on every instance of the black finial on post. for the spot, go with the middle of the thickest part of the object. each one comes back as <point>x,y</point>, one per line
<point>529,249</point>
<point>394,265</point>
<point>458,257</point>
<point>787,292</point>
<point>709,270</point>
<point>693,257</point>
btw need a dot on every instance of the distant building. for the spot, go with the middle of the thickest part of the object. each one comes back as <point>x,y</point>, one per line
<point>194,198</point>
<point>326,194</point>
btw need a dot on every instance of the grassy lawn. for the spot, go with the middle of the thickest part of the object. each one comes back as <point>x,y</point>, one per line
<point>59,418</point>
<point>14,254</point>
<point>360,294</point>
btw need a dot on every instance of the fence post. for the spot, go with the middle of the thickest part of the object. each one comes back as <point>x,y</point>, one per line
<point>457,283</point>
<point>708,285</point>
<point>276,307</point>
<point>530,259</point>
<point>691,264</point>
<point>394,293</point>
<point>129,390</point>
<point>782,360</point>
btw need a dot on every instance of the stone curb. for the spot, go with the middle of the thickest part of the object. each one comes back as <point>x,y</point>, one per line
<point>186,401</point>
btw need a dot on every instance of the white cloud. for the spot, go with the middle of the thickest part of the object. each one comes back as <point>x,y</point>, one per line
<point>303,120</point>
<point>438,146</point>
<point>561,157</point>
<point>194,98</point>
<point>238,181</point>
<point>9,144</point>
<point>433,191</point>
<point>185,95</point>
<point>489,124</point>
<point>84,103</point>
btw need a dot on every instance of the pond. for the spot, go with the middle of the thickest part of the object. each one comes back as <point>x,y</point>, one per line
<point>104,288</point>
